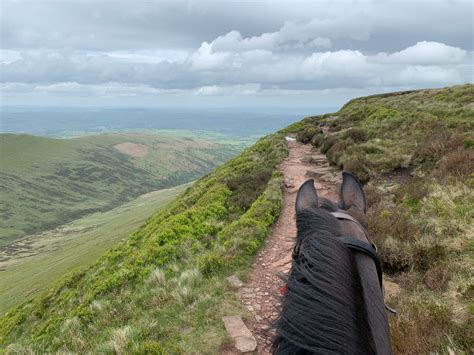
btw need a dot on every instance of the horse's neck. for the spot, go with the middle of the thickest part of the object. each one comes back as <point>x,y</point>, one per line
<point>374,305</point>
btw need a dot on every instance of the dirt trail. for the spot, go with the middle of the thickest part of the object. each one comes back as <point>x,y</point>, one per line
<point>261,294</point>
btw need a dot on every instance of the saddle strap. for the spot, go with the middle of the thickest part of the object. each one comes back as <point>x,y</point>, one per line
<point>367,249</point>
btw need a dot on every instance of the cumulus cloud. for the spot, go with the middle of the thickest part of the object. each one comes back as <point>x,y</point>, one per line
<point>423,63</point>
<point>429,53</point>
<point>218,51</point>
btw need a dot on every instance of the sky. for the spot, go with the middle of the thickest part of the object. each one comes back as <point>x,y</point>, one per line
<point>219,54</point>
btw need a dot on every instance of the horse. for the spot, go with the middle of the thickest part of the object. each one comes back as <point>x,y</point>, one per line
<point>333,303</point>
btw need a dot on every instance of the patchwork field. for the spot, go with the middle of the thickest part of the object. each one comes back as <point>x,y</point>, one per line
<point>46,182</point>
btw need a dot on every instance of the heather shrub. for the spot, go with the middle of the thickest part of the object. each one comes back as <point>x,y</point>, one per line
<point>328,143</point>
<point>335,152</point>
<point>358,165</point>
<point>436,278</point>
<point>306,134</point>
<point>317,140</point>
<point>356,135</point>
<point>458,164</point>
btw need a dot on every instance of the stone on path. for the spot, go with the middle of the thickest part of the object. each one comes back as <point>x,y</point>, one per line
<point>236,328</point>
<point>234,281</point>
<point>283,261</point>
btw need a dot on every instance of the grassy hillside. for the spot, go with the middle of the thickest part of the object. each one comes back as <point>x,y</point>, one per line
<point>46,182</point>
<point>416,151</point>
<point>29,265</point>
<point>164,289</point>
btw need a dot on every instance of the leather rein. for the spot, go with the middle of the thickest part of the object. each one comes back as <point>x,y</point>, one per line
<point>369,249</point>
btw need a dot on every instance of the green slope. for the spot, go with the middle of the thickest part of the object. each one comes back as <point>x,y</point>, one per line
<point>416,151</point>
<point>47,182</point>
<point>29,265</point>
<point>164,289</point>
<point>168,275</point>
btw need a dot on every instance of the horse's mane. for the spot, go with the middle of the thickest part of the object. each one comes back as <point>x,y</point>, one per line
<point>323,310</point>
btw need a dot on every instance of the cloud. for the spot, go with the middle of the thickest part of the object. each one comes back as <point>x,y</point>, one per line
<point>429,53</point>
<point>232,90</point>
<point>421,64</point>
<point>213,49</point>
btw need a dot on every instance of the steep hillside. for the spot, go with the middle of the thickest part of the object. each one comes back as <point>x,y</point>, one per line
<point>164,289</point>
<point>416,151</point>
<point>29,265</point>
<point>46,182</point>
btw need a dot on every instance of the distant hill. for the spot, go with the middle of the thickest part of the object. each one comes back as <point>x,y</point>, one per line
<point>46,182</point>
<point>164,289</point>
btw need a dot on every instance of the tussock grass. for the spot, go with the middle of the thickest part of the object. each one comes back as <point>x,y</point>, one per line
<point>415,151</point>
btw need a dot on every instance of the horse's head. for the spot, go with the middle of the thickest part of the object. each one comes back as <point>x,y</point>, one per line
<point>333,302</point>
<point>351,207</point>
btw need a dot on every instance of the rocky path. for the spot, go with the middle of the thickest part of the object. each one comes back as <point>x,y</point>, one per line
<point>261,294</point>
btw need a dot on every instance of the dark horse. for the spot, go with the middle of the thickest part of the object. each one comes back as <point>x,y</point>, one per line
<point>334,302</point>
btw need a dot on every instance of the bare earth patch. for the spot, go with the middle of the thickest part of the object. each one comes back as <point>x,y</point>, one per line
<point>133,149</point>
<point>190,143</point>
<point>261,295</point>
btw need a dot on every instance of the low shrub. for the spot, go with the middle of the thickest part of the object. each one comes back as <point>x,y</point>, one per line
<point>458,164</point>
<point>306,134</point>
<point>412,193</point>
<point>416,188</point>
<point>358,165</point>
<point>373,195</point>
<point>248,185</point>
<point>328,143</point>
<point>317,140</point>
<point>211,263</point>
<point>437,278</point>
<point>388,219</point>
<point>434,148</point>
<point>394,231</point>
<point>335,152</point>
<point>422,326</point>
<point>426,255</point>
<point>357,135</point>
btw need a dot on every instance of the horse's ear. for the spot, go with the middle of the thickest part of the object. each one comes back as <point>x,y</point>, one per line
<point>352,193</point>
<point>306,197</point>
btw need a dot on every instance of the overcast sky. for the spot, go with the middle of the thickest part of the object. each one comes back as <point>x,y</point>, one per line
<point>246,53</point>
